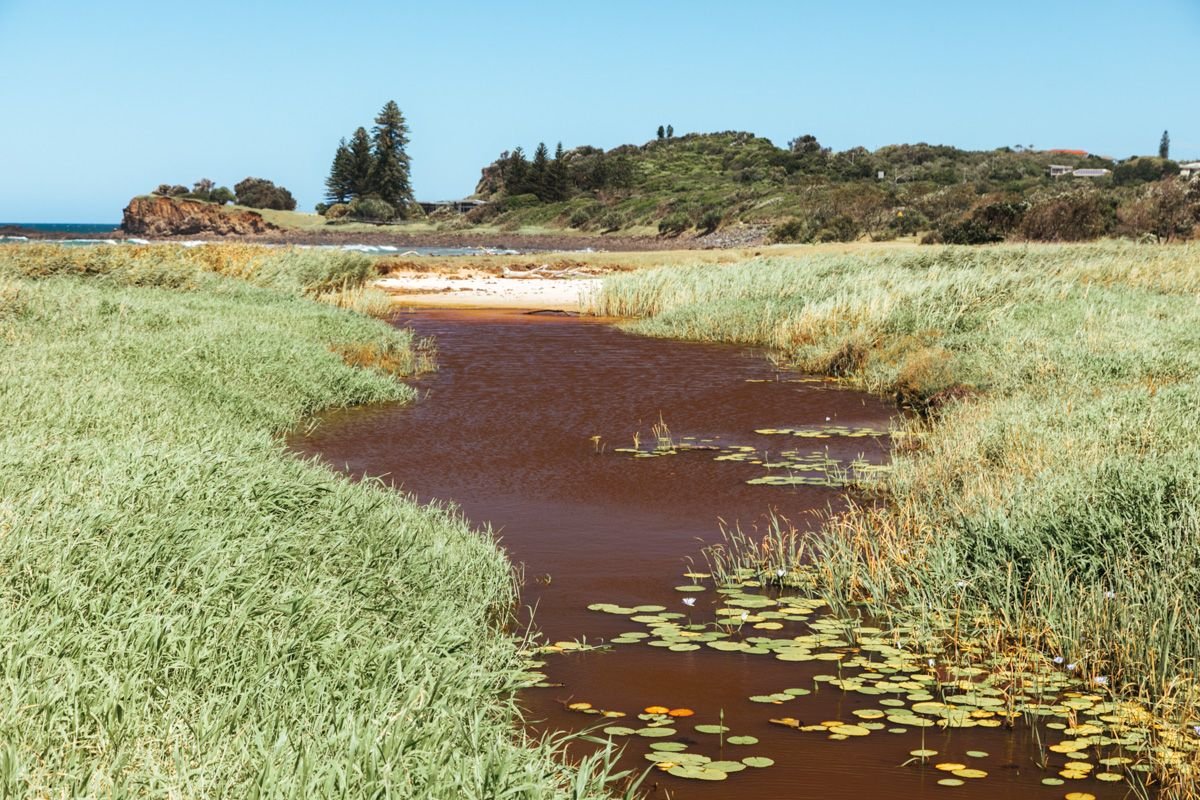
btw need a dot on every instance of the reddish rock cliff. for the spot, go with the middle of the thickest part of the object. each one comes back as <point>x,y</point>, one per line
<point>165,216</point>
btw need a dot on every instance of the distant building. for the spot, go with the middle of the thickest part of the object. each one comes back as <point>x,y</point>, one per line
<point>461,206</point>
<point>1090,173</point>
<point>1057,170</point>
<point>1190,171</point>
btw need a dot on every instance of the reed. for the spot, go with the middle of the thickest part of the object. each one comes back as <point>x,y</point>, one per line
<point>186,610</point>
<point>1049,486</point>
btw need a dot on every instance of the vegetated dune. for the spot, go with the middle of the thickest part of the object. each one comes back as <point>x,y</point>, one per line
<point>188,610</point>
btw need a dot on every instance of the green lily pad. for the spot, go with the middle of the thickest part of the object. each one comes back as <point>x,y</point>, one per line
<point>668,747</point>
<point>694,772</point>
<point>758,761</point>
<point>655,733</point>
<point>711,729</point>
<point>619,730</point>
<point>726,766</point>
<point>742,740</point>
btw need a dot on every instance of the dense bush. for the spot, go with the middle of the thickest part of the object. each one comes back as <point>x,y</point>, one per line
<point>1143,170</point>
<point>372,209</point>
<point>1165,210</point>
<point>674,224</point>
<point>337,211</point>
<point>1075,216</point>
<point>262,193</point>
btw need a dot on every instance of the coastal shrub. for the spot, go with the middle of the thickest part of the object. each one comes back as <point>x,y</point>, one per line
<point>1164,210</point>
<point>262,193</point>
<point>610,221</point>
<point>221,195</point>
<point>710,220</point>
<point>791,231</point>
<point>1069,217</point>
<point>674,224</point>
<point>337,211</point>
<point>372,209</point>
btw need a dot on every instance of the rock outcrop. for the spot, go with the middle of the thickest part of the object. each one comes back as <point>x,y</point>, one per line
<point>165,216</point>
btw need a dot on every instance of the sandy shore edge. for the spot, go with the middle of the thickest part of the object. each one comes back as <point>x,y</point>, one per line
<point>489,291</point>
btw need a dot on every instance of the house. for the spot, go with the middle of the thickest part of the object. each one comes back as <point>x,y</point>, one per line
<point>460,206</point>
<point>1058,170</point>
<point>1090,173</point>
<point>1190,170</point>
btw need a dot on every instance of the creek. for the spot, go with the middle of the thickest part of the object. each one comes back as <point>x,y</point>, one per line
<point>522,428</point>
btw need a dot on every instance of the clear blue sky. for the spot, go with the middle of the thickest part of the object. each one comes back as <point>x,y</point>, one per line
<point>102,101</point>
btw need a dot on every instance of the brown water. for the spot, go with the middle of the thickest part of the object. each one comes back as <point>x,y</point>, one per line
<point>504,430</point>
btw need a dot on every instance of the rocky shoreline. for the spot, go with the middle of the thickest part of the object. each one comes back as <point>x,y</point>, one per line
<point>162,219</point>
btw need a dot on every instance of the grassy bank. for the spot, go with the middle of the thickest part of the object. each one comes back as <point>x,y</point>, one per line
<point>188,611</point>
<point>1054,488</point>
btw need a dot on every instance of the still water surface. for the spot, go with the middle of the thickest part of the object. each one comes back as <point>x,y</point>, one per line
<point>505,431</point>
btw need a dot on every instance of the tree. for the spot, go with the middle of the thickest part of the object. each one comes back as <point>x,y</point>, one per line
<point>516,173</point>
<point>560,180</point>
<point>202,189</point>
<point>261,193</point>
<point>389,178</point>
<point>1164,146</point>
<point>670,131</point>
<point>662,134</point>
<point>221,195</point>
<point>539,172</point>
<point>361,164</point>
<point>339,186</point>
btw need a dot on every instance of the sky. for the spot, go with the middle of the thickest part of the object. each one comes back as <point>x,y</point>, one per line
<point>104,101</point>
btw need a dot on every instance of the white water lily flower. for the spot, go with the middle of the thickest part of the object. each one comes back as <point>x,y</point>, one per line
<point>745,615</point>
<point>689,601</point>
<point>932,663</point>
<point>1100,680</point>
<point>1059,659</point>
<point>1071,667</point>
<point>1110,595</point>
<point>781,572</point>
<point>961,584</point>
<point>1196,729</point>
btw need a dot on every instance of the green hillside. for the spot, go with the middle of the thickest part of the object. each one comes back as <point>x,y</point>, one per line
<point>700,183</point>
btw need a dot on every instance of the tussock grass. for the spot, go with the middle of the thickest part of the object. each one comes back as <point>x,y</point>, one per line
<point>1052,485</point>
<point>185,609</point>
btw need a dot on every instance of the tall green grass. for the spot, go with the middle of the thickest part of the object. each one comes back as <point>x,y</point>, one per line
<point>1052,484</point>
<point>188,611</point>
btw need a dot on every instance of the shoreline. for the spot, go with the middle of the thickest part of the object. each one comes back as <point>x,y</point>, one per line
<point>457,239</point>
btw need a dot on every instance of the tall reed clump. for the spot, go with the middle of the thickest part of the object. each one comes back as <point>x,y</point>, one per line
<point>187,610</point>
<point>1052,481</point>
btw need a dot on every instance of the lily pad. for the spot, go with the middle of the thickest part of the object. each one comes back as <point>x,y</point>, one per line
<point>742,740</point>
<point>758,761</point>
<point>712,729</point>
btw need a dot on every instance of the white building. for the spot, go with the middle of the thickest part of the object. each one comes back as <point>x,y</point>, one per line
<point>1190,171</point>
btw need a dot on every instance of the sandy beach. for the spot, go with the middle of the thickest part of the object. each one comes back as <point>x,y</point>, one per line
<point>488,291</point>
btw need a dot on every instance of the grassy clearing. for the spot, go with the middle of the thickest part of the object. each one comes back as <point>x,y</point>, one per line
<point>188,611</point>
<point>1052,489</point>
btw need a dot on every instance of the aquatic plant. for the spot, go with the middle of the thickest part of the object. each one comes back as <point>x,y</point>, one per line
<point>1045,496</point>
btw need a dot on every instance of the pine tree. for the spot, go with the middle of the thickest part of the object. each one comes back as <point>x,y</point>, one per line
<point>670,131</point>
<point>539,172</point>
<point>389,178</point>
<point>662,134</point>
<point>339,184</point>
<point>560,181</point>
<point>362,164</point>
<point>1164,146</point>
<point>516,173</point>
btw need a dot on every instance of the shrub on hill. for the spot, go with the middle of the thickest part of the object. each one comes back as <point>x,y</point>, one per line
<point>262,193</point>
